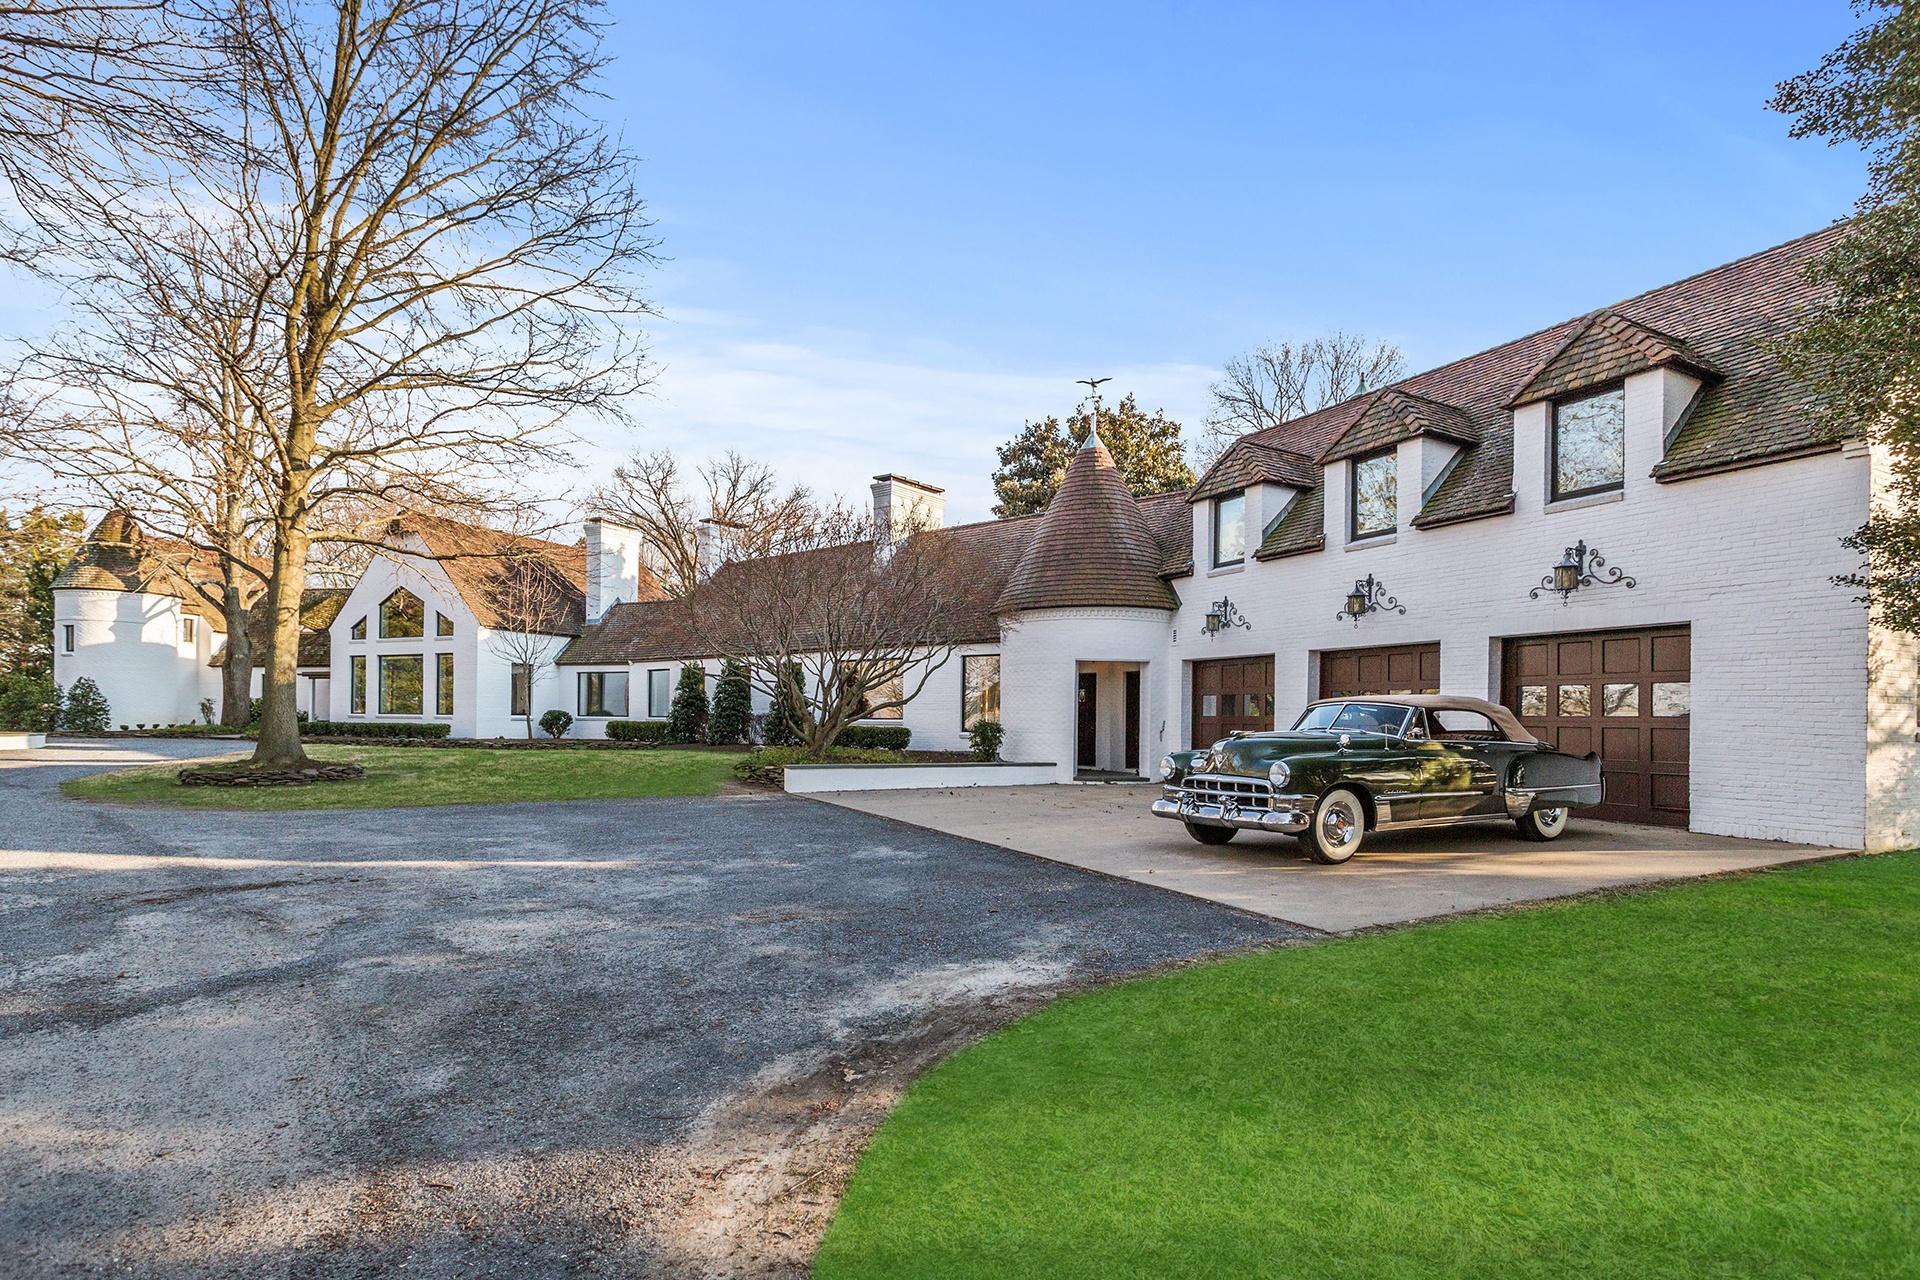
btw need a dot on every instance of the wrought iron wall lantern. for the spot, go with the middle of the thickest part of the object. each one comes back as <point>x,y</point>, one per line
<point>1368,597</point>
<point>1221,616</point>
<point>1582,566</point>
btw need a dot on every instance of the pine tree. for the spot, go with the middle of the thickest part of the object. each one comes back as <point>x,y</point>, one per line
<point>1146,447</point>
<point>687,718</point>
<point>86,708</point>
<point>786,719</point>
<point>732,704</point>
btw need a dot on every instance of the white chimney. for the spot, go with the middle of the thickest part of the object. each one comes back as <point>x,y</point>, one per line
<point>613,566</point>
<point>711,546</point>
<point>901,505</point>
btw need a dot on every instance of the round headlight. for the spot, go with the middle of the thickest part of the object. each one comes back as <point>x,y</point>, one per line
<point>1278,773</point>
<point>1166,766</point>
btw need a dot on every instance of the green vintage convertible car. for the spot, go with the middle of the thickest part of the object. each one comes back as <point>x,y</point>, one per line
<point>1353,765</point>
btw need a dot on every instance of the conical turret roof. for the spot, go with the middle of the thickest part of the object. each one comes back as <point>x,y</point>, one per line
<point>1094,547</point>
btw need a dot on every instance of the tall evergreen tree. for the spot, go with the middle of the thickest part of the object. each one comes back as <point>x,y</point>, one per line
<point>1860,348</point>
<point>687,717</point>
<point>1146,447</point>
<point>32,553</point>
<point>732,704</point>
<point>786,719</point>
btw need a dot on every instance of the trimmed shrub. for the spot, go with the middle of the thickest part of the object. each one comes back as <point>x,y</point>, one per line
<point>732,704</point>
<point>637,730</point>
<point>371,729</point>
<point>555,723</point>
<point>986,737</point>
<point>86,708</point>
<point>254,708</point>
<point>687,718</point>
<point>29,702</point>
<point>873,737</point>
<point>787,715</point>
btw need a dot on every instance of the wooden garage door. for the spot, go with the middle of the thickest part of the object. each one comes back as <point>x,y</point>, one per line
<point>1625,694</point>
<point>1398,668</point>
<point>1230,694</point>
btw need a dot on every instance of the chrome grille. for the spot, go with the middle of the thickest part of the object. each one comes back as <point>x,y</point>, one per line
<point>1214,788</point>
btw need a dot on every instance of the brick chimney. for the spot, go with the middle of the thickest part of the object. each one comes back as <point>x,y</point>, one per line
<point>901,505</point>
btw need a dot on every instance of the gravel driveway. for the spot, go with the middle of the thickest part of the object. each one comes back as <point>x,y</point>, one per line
<point>621,1037</point>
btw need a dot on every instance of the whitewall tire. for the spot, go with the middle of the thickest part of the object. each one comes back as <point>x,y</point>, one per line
<point>1542,824</point>
<point>1339,825</point>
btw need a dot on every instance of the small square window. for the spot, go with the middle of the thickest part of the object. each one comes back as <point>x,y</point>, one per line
<point>1590,444</point>
<point>1373,493</point>
<point>1209,705</point>
<point>1576,700</point>
<point>1673,698</point>
<point>1533,701</point>
<point>1620,700</point>
<point>1230,529</point>
<point>442,625</point>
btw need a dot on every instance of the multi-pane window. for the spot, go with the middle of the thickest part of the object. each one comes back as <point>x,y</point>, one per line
<point>358,631</point>
<point>603,693</point>
<point>1230,529</point>
<point>442,625</point>
<point>1590,444</point>
<point>443,684</point>
<point>1374,495</point>
<point>522,693</point>
<point>402,684</point>
<point>403,616</point>
<point>659,693</point>
<point>357,684</point>
<point>980,678</point>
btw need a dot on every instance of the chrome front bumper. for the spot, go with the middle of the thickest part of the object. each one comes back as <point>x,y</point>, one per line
<point>1260,811</point>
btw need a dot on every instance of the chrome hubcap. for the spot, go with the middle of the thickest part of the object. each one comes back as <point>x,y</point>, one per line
<point>1338,825</point>
<point>1553,819</point>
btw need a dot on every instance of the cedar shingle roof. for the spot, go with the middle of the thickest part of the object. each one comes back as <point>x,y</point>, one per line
<point>1719,322</point>
<point>1094,547</point>
<point>1256,462</point>
<point>1395,414</point>
<point>498,574</point>
<point>118,555</point>
<point>1607,349</point>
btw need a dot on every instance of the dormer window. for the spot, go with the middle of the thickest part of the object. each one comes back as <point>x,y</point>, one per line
<point>1373,495</point>
<point>1230,529</point>
<point>1589,445</point>
<point>403,616</point>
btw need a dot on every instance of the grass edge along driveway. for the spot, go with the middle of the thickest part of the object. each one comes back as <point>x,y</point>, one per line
<point>404,777</point>
<point>1714,1080</point>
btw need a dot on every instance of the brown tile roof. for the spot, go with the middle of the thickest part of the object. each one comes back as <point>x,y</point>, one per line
<point>1094,546</point>
<point>319,606</point>
<point>493,571</point>
<point>118,555</point>
<point>1170,516</point>
<point>1607,349</point>
<point>1719,322</point>
<point>1256,462</point>
<point>1395,414</point>
<point>1303,528</point>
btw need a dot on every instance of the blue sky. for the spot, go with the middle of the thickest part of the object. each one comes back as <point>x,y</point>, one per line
<point>895,231</point>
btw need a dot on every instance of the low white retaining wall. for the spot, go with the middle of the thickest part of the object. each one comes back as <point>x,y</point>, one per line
<point>10,741</point>
<point>805,778</point>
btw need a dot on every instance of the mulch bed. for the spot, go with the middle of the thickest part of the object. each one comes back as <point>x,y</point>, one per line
<point>243,776</point>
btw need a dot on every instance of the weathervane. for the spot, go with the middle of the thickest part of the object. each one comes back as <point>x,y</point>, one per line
<point>1093,389</point>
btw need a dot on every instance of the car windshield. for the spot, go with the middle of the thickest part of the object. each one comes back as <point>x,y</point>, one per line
<point>1352,717</point>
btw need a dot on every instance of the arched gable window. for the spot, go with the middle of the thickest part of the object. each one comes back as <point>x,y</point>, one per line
<point>402,616</point>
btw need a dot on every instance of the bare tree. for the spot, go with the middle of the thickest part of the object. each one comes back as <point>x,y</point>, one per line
<point>528,595</point>
<point>144,404</point>
<point>445,244</point>
<point>860,620</point>
<point>1285,380</point>
<point>650,494</point>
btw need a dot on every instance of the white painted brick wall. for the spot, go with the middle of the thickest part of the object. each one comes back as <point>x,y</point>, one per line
<point>129,643</point>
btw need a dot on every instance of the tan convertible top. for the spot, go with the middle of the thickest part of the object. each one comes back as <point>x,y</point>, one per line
<point>1504,719</point>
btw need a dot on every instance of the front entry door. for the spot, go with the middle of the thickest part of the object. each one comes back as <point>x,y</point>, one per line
<point>1133,722</point>
<point>1089,703</point>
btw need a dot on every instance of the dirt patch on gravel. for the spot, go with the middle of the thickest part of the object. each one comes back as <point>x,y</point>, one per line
<point>749,1196</point>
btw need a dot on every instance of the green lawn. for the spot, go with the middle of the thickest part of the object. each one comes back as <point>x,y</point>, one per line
<point>405,776</point>
<point>1717,1080</point>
